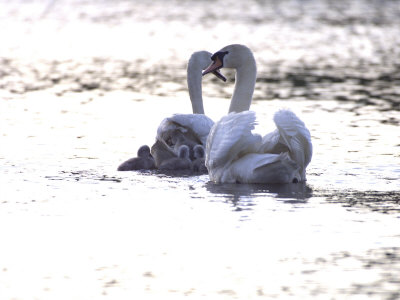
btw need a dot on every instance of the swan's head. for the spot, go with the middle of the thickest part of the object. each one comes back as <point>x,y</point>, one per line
<point>201,60</point>
<point>144,151</point>
<point>231,56</point>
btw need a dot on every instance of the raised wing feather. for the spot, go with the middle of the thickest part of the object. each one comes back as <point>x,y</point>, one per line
<point>231,138</point>
<point>294,134</point>
<point>270,143</point>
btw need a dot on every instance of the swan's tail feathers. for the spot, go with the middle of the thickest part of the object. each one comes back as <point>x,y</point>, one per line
<point>231,138</point>
<point>296,137</point>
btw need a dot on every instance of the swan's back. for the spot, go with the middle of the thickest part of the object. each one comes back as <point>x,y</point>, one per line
<point>262,168</point>
<point>196,125</point>
<point>235,154</point>
<point>193,127</point>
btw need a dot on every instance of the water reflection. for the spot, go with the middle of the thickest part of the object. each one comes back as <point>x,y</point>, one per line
<point>291,192</point>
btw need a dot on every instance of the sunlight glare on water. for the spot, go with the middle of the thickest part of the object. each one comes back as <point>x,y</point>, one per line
<point>84,84</point>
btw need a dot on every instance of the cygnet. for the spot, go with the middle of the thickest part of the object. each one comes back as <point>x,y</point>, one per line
<point>178,139</point>
<point>199,160</point>
<point>182,162</point>
<point>144,161</point>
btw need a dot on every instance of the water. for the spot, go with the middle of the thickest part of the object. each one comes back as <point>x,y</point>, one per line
<point>84,84</point>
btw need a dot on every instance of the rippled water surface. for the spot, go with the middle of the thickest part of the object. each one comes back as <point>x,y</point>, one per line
<point>84,83</point>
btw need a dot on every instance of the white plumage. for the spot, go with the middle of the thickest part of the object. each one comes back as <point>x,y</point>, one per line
<point>234,153</point>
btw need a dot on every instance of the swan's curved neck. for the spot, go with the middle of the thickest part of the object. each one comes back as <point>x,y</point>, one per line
<point>244,87</point>
<point>194,78</point>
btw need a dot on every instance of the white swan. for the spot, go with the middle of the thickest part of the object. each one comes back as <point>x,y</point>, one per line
<point>189,129</point>
<point>234,153</point>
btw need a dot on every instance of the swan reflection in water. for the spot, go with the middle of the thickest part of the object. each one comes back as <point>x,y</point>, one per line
<point>289,192</point>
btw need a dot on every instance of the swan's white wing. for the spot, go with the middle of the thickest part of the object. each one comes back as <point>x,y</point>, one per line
<point>295,136</point>
<point>196,124</point>
<point>270,143</point>
<point>231,138</point>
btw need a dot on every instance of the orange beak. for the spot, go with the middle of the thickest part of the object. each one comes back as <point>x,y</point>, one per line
<point>214,68</point>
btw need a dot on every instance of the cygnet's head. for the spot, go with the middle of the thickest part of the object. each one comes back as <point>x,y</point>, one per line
<point>183,152</point>
<point>144,151</point>
<point>231,56</point>
<point>198,151</point>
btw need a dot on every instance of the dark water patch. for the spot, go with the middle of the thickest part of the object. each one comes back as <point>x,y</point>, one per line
<point>104,75</point>
<point>82,175</point>
<point>384,261</point>
<point>382,202</point>
<point>392,120</point>
<point>175,173</point>
<point>378,90</point>
<point>337,13</point>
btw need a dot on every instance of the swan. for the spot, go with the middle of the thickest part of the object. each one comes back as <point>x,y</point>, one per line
<point>192,129</point>
<point>144,161</point>
<point>233,153</point>
<point>182,162</point>
<point>199,160</point>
